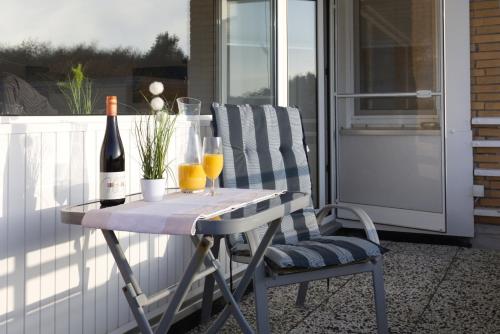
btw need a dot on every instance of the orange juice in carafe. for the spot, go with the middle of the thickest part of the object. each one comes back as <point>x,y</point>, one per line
<point>192,178</point>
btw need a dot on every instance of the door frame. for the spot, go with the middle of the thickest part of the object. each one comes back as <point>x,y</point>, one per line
<point>432,221</point>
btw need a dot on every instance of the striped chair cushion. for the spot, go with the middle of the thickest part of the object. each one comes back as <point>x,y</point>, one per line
<point>264,149</point>
<point>321,252</point>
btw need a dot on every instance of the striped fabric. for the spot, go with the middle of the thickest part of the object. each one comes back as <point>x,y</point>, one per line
<point>321,252</point>
<point>264,148</point>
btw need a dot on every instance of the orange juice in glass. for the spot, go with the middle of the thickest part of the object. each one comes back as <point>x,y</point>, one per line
<point>192,178</point>
<point>212,165</point>
<point>212,159</point>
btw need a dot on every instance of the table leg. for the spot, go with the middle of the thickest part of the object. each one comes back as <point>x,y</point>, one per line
<point>209,285</point>
<point>247,277</point>
<point>194,265</point>
<point>137,310</point>
<point>132,290</point>
<point>218,275</point>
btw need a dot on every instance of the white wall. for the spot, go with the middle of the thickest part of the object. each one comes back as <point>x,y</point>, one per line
<point>56,278</point>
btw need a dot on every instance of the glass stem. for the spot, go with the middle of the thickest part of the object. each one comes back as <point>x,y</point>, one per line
<point>213,187</point>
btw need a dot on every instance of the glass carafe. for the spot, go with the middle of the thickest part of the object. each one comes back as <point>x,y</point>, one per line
<point>191,175</point>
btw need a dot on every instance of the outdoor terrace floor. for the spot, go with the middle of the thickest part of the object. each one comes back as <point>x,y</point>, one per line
<point>429,289</point>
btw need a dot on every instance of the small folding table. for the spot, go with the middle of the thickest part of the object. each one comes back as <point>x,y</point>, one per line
<point>246,219</point>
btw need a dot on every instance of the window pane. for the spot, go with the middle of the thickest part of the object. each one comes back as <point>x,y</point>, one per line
<point>302,72</point>
<point>389,46</point>
<point>121,47</point>
<point>249,52</point>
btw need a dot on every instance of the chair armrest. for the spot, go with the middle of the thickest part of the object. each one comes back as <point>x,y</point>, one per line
<point>371,232</point>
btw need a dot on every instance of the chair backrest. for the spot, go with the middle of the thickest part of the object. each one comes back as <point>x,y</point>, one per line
<point>264,148</point>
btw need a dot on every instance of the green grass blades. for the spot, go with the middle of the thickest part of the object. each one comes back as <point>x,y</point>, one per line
<point>153,134</point>
<point>78,92</point>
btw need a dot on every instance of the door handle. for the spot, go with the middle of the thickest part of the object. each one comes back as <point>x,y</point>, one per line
<point>424,94</point>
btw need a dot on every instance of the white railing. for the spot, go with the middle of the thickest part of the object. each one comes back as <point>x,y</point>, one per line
<point>56,278</point>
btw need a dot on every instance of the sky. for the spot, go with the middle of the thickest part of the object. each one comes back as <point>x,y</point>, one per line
<point>109,23</point>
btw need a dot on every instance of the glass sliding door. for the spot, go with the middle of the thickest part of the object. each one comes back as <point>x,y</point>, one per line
<point>247,52</point>
<point>302,73</point>
<point>389,110</point>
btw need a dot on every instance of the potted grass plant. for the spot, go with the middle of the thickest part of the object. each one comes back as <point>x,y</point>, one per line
<point>153,134</point>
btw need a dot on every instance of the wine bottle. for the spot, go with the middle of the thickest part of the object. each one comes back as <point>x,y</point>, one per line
<point>112,185</point>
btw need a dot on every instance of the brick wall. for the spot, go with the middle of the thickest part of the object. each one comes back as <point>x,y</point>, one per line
<point>485,94</point>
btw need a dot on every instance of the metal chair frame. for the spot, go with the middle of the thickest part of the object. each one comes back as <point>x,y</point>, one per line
<point>265,277</point>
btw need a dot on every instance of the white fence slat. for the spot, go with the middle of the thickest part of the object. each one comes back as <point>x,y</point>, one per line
<point>135,163</point>
<point>171,263</point>
<point>63,246</point>
<point>153,266</point>
<point>133,172</point>
<point>137,243</point>
<point>77,170</point>
<point>101,306</point>
<point>16,233</point>
<point>32,233</point>
<point>189,249</point>
<point>134,257</point>
<point>89,264</point>
<point>133,252</point>
<point>48,237</point>
<point>4,177</point>
<point>162,270</point>
<point>180,263</point>
<point>144,264</point>
<point>112,291</point>
<point>101,258</point>
<point>123,308</point>
<point>124,237</point>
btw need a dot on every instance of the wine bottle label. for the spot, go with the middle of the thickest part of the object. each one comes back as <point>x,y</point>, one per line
<point>112,185</point>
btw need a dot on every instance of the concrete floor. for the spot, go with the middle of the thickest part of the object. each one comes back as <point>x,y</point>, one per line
<point>429,289</point>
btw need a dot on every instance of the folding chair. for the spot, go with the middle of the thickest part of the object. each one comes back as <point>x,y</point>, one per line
<point>264,147</point>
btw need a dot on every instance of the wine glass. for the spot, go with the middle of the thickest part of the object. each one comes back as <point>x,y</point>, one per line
<point>212,159</point>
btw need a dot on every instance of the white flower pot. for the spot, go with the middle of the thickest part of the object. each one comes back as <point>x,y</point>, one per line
<point>153,190</point>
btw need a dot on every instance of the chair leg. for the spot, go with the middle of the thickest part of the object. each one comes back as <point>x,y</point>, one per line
<point>379,292</point>
<point>260,292</point>
<point>301,296</point>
